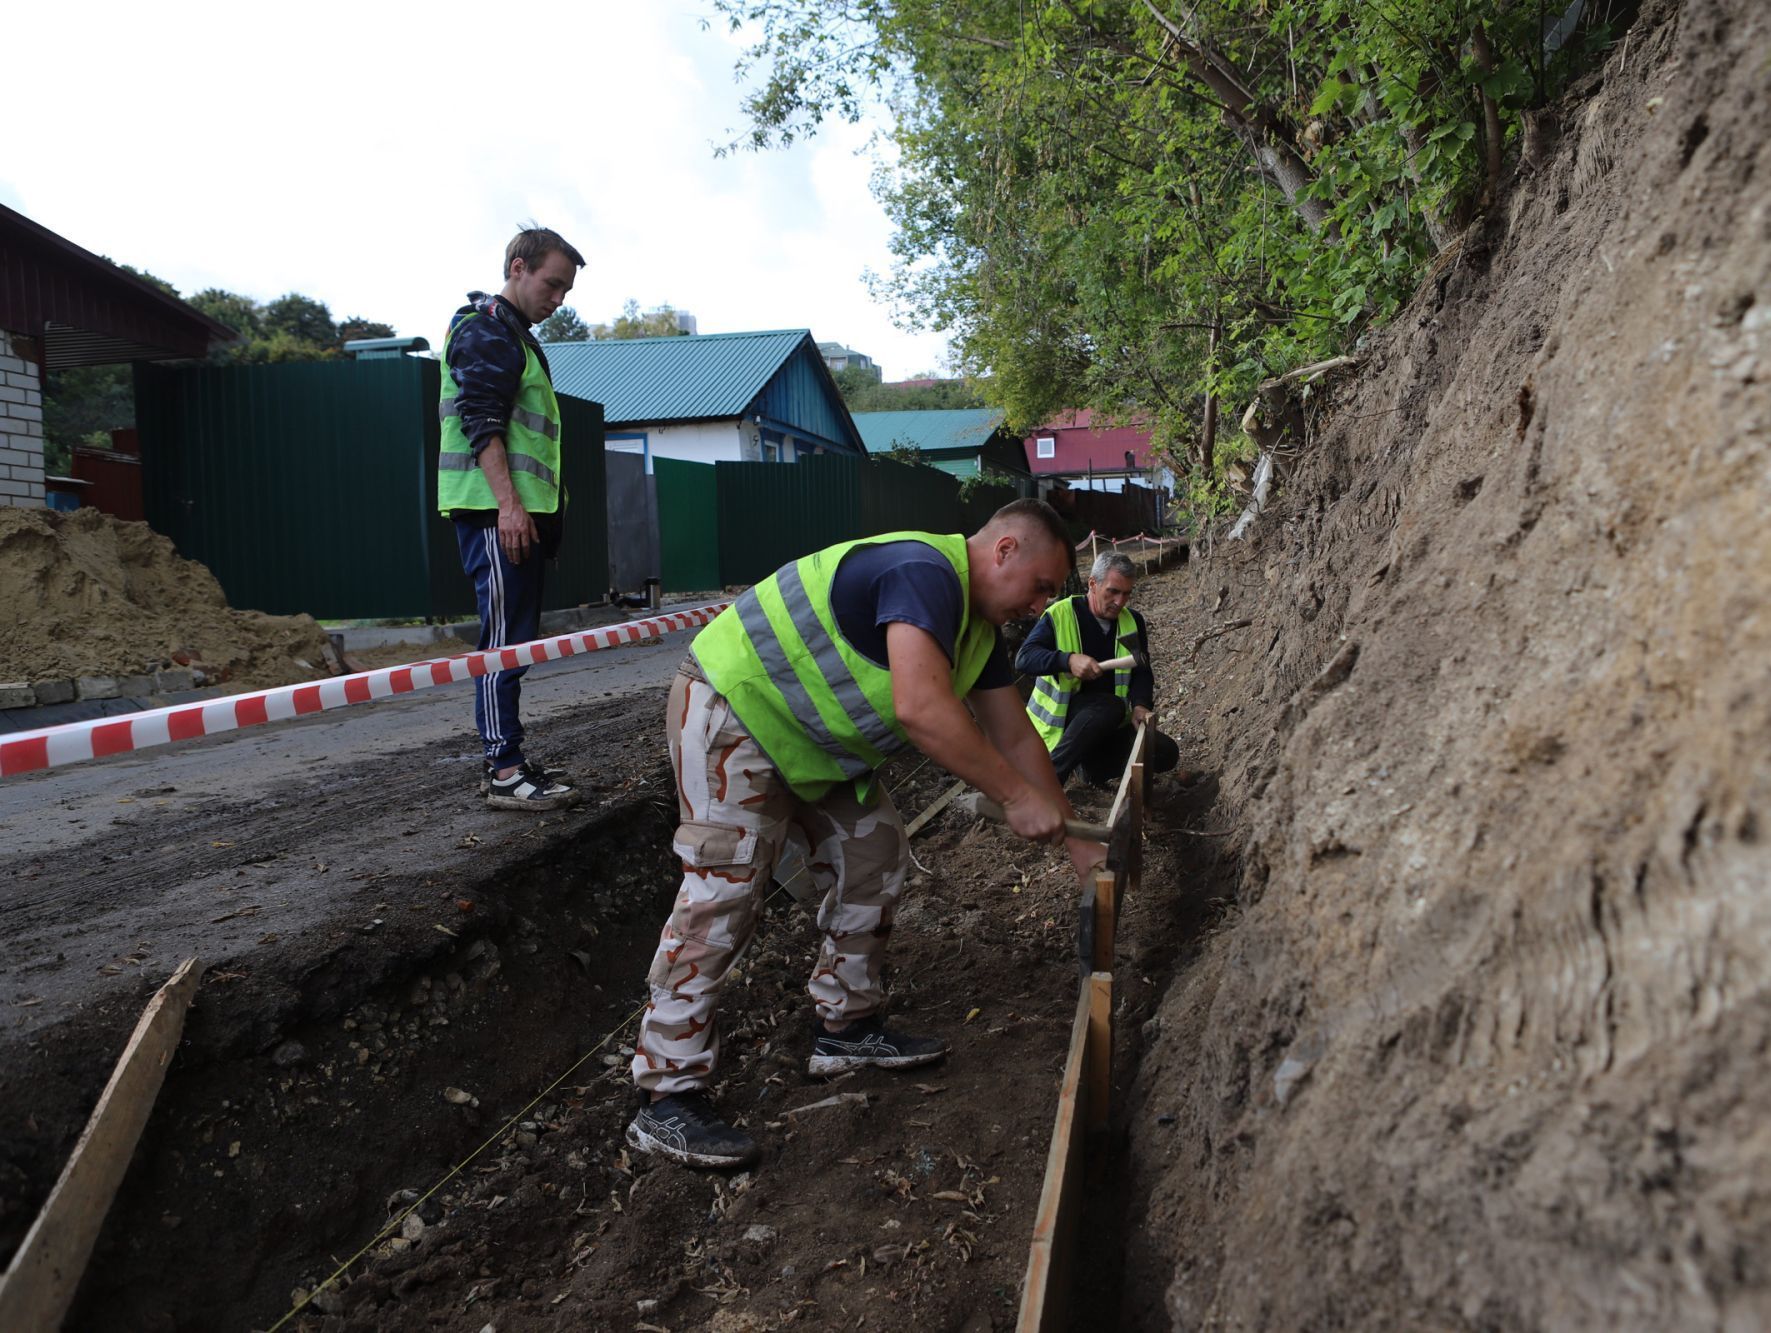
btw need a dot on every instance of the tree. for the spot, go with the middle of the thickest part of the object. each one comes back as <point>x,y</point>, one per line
<point>356,328</point>
<point>863,393</point>
<point>660,322</point>
<point>301,317</point>
<point>1147,207</point>
<point>564,326</point>
<point>239,313</point>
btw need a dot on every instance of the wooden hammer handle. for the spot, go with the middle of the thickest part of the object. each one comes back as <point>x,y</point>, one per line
<point>988,809</point>
<point>1115,663</point>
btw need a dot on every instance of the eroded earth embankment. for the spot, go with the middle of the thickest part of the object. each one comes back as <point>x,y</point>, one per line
<point>1484,1043</point>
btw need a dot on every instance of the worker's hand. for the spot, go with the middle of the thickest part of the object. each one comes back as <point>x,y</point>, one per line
<point>516,532</point>
<point>1086,856</point>
<point>1034,817</point>
<point>1084,667</point>
<point>1141,715</point>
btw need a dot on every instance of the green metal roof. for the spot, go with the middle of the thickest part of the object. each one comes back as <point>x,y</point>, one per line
<point>695,377</point>
<point>952,428</point>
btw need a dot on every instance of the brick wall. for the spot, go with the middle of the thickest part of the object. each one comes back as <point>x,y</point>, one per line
<point>21,428</point>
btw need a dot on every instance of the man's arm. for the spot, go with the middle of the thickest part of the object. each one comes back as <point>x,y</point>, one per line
<point>516,528</point>
<point>1004,720</point>
<point>1140,692</point>
<point>1039,655</point>
<point>939,725</point>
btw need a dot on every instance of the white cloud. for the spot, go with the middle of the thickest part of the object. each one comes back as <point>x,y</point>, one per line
<point>378,156</point>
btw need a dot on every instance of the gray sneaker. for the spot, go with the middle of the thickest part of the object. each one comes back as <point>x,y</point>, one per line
<point>868,1044</point>
<point>548,771</point>
<point>684,1128</point>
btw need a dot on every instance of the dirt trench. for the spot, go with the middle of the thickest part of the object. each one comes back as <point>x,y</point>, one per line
<point>1487,696</point>
<point>268,1165</point>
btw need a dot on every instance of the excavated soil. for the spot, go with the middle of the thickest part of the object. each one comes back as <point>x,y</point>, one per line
<point>330,1079</point>
<point>1482,1044</point>
<point>91,595</point>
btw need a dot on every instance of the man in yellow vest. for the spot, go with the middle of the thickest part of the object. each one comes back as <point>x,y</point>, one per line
<point>498,478</point>
<point>1084,713</point>
<point>777,722</point>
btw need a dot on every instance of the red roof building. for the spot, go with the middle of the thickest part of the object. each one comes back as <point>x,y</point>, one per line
<point>1073,447</point>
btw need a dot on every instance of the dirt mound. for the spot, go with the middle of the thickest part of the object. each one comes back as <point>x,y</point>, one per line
<point>92,595</point>
<point>1484,1044</point>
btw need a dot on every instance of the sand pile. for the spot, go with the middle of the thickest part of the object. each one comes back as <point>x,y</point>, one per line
<point>91,595</point>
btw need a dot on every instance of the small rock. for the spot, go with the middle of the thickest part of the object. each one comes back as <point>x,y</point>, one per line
<point>645,1307</point>
<point>53,692</point>
<point>525,1139</point>
<point>413,1227</point>
<point>460,1097</point>
<point>289,1053</point>
<point>1152,1029</point>
<point>758,1234</point>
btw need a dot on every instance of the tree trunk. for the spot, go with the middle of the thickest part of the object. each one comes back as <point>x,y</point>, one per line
<point>1264,127</point>
<point>1208,435</point>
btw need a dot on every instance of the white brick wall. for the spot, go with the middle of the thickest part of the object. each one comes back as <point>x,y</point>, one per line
<point>21,428</point>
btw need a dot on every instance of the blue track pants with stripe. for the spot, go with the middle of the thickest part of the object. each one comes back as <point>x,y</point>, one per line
<point>509,597</point>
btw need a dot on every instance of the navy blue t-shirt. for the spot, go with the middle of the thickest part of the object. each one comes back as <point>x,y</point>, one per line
<point>911,582</point>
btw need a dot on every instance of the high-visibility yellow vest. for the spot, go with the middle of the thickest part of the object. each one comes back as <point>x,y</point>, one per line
<point>1049,703</point>
<point>531,443</point>
<point>821,711</point>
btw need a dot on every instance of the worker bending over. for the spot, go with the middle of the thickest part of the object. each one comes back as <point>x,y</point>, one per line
<point>1085,713</point>
<point>786,706</point>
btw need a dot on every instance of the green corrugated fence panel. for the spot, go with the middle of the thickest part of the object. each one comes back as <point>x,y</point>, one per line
<point>297,485</point>
<point>312,486</point>
<point>770,513</point>
<point>900,496</point>
<point>688,525</point>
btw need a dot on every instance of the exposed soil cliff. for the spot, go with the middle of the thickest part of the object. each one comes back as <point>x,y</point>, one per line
<point>1483,1044</point>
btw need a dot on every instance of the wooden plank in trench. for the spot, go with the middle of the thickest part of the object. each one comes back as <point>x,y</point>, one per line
<point>40,1283</point>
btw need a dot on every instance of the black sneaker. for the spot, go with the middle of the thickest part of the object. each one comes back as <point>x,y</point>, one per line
<point>548,771</point>
<point>684,1128</point>
<point>530,789</point>
<point>868,1044</point>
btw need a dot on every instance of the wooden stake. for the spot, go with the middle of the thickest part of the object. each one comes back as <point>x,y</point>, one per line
<point>937,805</point>
<point>1100,1049</point>
<point>39,1285</point>
<point>1106,917</point>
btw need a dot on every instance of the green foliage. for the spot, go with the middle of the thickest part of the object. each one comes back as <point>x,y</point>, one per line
<point>863,393</point>
<point>563,326</point>
<point>1086,190</point>
<point>357,328</point>
<point>634,323</point>
<point>82,405</point>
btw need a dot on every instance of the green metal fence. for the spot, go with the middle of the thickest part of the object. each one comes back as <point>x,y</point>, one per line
<point>688,525</point>
<point>770,513</point>
<point>312,486</point>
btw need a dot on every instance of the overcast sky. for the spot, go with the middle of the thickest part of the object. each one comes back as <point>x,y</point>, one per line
<point>378,156</point>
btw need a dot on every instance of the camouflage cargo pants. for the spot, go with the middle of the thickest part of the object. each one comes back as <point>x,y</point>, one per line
<point>736,813</point>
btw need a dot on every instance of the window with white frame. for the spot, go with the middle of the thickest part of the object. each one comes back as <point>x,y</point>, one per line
<point>1045,447</point>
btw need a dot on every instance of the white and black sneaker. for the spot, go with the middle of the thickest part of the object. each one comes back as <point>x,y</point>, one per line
<point>548,771</point>
<point>868,1044</point>
<point>684,1128</point>
<point>529,788</point>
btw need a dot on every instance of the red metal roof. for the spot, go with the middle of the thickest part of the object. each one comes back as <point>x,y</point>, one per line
<point>1079,445</point>
<point>85,309</point>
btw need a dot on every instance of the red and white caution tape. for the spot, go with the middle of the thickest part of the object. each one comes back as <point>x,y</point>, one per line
<point>48,747</point>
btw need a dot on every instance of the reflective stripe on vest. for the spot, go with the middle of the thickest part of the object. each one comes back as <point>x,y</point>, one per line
<point>821,711</point>
<point>531,443</point>
<point>1049,703</point>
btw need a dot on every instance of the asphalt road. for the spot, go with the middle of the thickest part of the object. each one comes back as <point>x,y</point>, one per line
<point>285,851</point>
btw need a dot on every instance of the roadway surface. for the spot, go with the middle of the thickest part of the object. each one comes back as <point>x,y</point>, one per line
<point>275,851</point>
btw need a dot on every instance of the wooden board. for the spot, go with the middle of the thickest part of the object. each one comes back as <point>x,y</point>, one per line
<point>1045,1291</point>
<point>937,805</point>
<point>39,1285</point>
<point>1106,918</point>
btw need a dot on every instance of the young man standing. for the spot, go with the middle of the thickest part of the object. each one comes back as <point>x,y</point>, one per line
<point>789,701</point>
<point>498,478</point>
